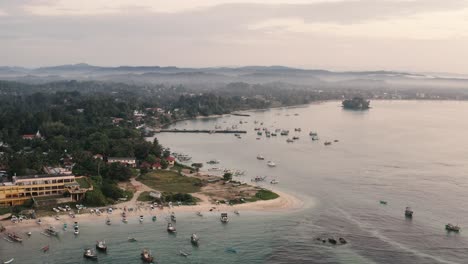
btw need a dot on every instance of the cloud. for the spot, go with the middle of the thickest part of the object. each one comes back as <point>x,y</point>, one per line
<point>429,26</point>
<point>106,7</point>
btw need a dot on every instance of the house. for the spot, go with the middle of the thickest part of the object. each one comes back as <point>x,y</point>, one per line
<point>117,120</point>
<point>128,161</point>
<point>32,136</point>
<point>170,161</point>
<point>98,156</point>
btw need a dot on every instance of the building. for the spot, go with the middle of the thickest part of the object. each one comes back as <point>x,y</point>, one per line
<point>32,136</point>
<point>128,161</point>
<point>23,188</point>
<point>170,161</point>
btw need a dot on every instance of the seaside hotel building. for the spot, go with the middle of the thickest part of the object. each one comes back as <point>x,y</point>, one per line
<point>23,188</point>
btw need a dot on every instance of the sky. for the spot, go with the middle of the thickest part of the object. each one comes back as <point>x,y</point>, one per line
<point>411,35</point>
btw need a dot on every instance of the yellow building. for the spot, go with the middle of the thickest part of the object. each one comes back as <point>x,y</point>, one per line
<point>23,188</point>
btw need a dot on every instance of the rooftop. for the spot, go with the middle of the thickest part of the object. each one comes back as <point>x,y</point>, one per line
<point>40,176</point>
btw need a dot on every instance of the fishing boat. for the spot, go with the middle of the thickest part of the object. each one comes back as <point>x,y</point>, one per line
<point>141,219</point>
<point>213,162</point>
<point>39,221</point>
<point>14,237</point>
<point>75,225</point>
<point>284,133</point>
<point>132,239</point>
<point>290,140</point>
<point>327,143</point>
<point>51,231</point>
<point>101,246</point>
<point>154,218</point>
<point>65,226</point>
<point>313,134</point>
<point>183,253</point>
<point>108,221</point>
<point>89,254</point>
<point>45,248</point>
<point>342,240</point>
<point>258,179</point>
<point>76,230</point>
<point>236,212</point>
<point>9,261</point>
<point>408,212</point>
<point>271,164</point>
<point>173,217</point>
<point>171,228</point>
<point>146,256</point>
<point>452,228</point>
<point>125,220</point>
<point>224,218</point>
<point>274,181</point>
<point>295,138</point>
<point>260,157</point>
<point>273,134</point>
<point>194,239</point>
<point>199,213</point>
<point>383,202</point>
<point>298,129</point>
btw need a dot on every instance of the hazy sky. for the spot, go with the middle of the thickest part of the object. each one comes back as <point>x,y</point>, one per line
<point>415,35</point>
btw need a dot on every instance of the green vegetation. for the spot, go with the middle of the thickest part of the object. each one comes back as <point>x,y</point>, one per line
<point>263,194</point>
<point>83,183</point>
<point>227,176</point>
<point>266,195</point>
<point>357,103</point>
<point>170,181</point>
<point>5,210</point>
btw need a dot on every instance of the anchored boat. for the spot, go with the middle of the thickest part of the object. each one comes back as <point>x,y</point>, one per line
<point>452,228</point>
<point>90,254</point>
<point>224,218</point>
<point>171,228</point>
<point>146,256</point>
<point>101,246</point>
<point>408,212</point>
<point>194,239</point>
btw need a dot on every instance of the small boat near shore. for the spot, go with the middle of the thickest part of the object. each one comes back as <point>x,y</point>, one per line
<point>194,239</point>
<point>224,218</point>
<point>408,212</point>
<point>101,246</point>
<point>9,261</point>
<point>90,254</point>
<point>45,248</point>
<point>274,181</point>
<point>452,228</point>
<point>108,221</point>
<point>171,228</point>
<point>125,220</point>
<point>327,143</point>
<point>260,157</point>
<point>131,239</point>
<point>154,218</point>
<point>14,237</point>
<point>141,219</point>
<point>199,213</point>
<point>173,217</point>
<point>146,256</point>
<point>271,164</point>
<point>51,231</point>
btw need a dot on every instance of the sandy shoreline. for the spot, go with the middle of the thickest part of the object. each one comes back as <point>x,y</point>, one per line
<point>285,202</point>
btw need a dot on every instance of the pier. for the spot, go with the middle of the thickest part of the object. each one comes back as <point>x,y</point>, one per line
<point>201,131</point>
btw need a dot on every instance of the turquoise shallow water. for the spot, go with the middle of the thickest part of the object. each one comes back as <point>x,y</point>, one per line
<point>404,152</point>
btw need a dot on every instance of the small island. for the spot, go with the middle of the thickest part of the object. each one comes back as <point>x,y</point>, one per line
<point>357,103</point>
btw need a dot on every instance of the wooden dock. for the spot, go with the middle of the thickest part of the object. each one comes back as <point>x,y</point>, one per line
<point>201,131</point>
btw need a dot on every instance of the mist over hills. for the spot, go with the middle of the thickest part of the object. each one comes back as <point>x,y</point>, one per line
<point>218,77</point>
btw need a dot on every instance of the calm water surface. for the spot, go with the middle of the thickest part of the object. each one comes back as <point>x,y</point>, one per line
<point>407,153</point>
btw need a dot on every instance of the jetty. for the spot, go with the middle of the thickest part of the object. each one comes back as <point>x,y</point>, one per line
<point>201,131</point>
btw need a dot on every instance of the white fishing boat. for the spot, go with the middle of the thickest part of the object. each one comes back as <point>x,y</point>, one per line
<point>171,228</point>
<point>260,157</point>
<point>141,219</point>
<point>224,218</point>
<point>271,164</point>
<point>194,239</point>
<point>9,261</point>
<point>274,181</point>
